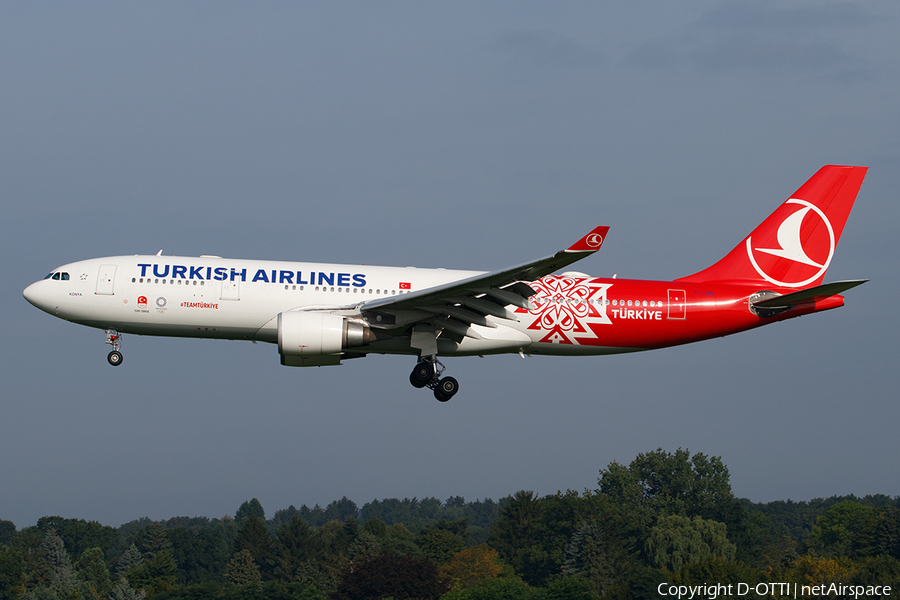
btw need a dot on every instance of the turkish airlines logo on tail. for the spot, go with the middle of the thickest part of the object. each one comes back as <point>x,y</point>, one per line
<point>800,240</point>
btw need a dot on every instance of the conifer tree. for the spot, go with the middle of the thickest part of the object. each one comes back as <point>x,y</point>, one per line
<point>242,570</point>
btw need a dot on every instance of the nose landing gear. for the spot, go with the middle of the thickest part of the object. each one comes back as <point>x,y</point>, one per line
<point>115,340</point>
<point>427,373</point>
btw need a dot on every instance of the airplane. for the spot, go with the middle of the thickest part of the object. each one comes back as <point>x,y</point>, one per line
<point>320,314</point>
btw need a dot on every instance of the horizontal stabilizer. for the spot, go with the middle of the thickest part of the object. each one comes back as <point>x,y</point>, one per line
<point>813,294</point>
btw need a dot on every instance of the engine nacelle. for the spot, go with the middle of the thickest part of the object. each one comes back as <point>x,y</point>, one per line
<point>313,338</point>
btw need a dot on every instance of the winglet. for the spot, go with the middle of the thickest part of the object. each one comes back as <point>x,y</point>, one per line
<point>591,242</point>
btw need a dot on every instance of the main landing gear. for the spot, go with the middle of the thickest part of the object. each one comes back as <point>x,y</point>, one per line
<point>427,373</point>
<point>115,340</point>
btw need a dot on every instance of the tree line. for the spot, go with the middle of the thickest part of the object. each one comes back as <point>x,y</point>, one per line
<point>666,517</point>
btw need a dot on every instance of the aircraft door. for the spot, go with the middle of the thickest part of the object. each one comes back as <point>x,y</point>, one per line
<point>105,280</point>
<point>231,290</point>
<point>677,304</point>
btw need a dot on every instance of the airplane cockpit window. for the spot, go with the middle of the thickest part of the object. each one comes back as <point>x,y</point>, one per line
<point>49,275</point>
<point>55,276</point>
<point>65,276</point>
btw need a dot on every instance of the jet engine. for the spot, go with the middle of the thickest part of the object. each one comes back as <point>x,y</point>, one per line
<point>312,338</point>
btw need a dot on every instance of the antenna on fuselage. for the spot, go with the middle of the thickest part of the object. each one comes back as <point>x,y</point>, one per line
<point>159,253</point>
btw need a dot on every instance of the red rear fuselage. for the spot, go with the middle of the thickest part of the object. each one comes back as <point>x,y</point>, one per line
<point>621,315</point>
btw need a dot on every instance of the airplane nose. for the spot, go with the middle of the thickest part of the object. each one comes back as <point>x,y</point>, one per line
<point>30,293</point>
<point>36,295</point>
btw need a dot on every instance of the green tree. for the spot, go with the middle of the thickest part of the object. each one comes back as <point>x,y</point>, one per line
<point>310,575</point>
<point>254,537</point>
<point>153,540</point>
<point>250,508</point>
<point>78,535</point>
<point>391,576</point>
<point>159,572</point>
<point>660,482</point>
<point>12,573</point>
<point>589,556</point>
<point>440,541</point>
<point>200,555</point>
<point>517,534</point>
<point>91,567</point>
<point>848,529</point>
<point>123,591</point>
<point>130,559</point>
<point>877,570</point>
<point>888,532</point>
<point>566,588</point>
<point>7,532</point>
<point>376,527</point>
<point>399,540</point>
<point>440,545</point>
<point>61,581</point>
<point>341,510</point>
<point>296,543</point>
<point>242,569</point>
<point>493,589</point>
<point>364,547</point>
<point>675,541</point>
<point>336,541</point>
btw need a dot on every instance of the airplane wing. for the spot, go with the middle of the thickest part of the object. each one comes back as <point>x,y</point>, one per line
<point>457,305</point>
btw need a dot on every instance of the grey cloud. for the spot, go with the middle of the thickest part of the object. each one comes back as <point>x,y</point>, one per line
<point>768,16</point>
<point>544,47</point>
<point>762,37</point>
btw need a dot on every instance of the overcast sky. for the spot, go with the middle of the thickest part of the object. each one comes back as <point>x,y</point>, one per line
<point>461,135</point>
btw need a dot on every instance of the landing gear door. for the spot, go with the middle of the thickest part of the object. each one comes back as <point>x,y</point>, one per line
<point>231,290</point>
<point>105,280</point>
<point>677,304</point>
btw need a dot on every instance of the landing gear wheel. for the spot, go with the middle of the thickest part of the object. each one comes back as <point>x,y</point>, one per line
<point>422,374</point>
<point>446,389</point>
<point>115,358</point>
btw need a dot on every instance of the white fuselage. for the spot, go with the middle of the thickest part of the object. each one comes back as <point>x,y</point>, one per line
<point>213,297</point>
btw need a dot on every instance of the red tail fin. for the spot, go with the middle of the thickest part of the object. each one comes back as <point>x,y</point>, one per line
<point>794,246</point>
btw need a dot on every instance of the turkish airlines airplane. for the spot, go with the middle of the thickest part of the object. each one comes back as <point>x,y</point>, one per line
<point>319,314</point>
